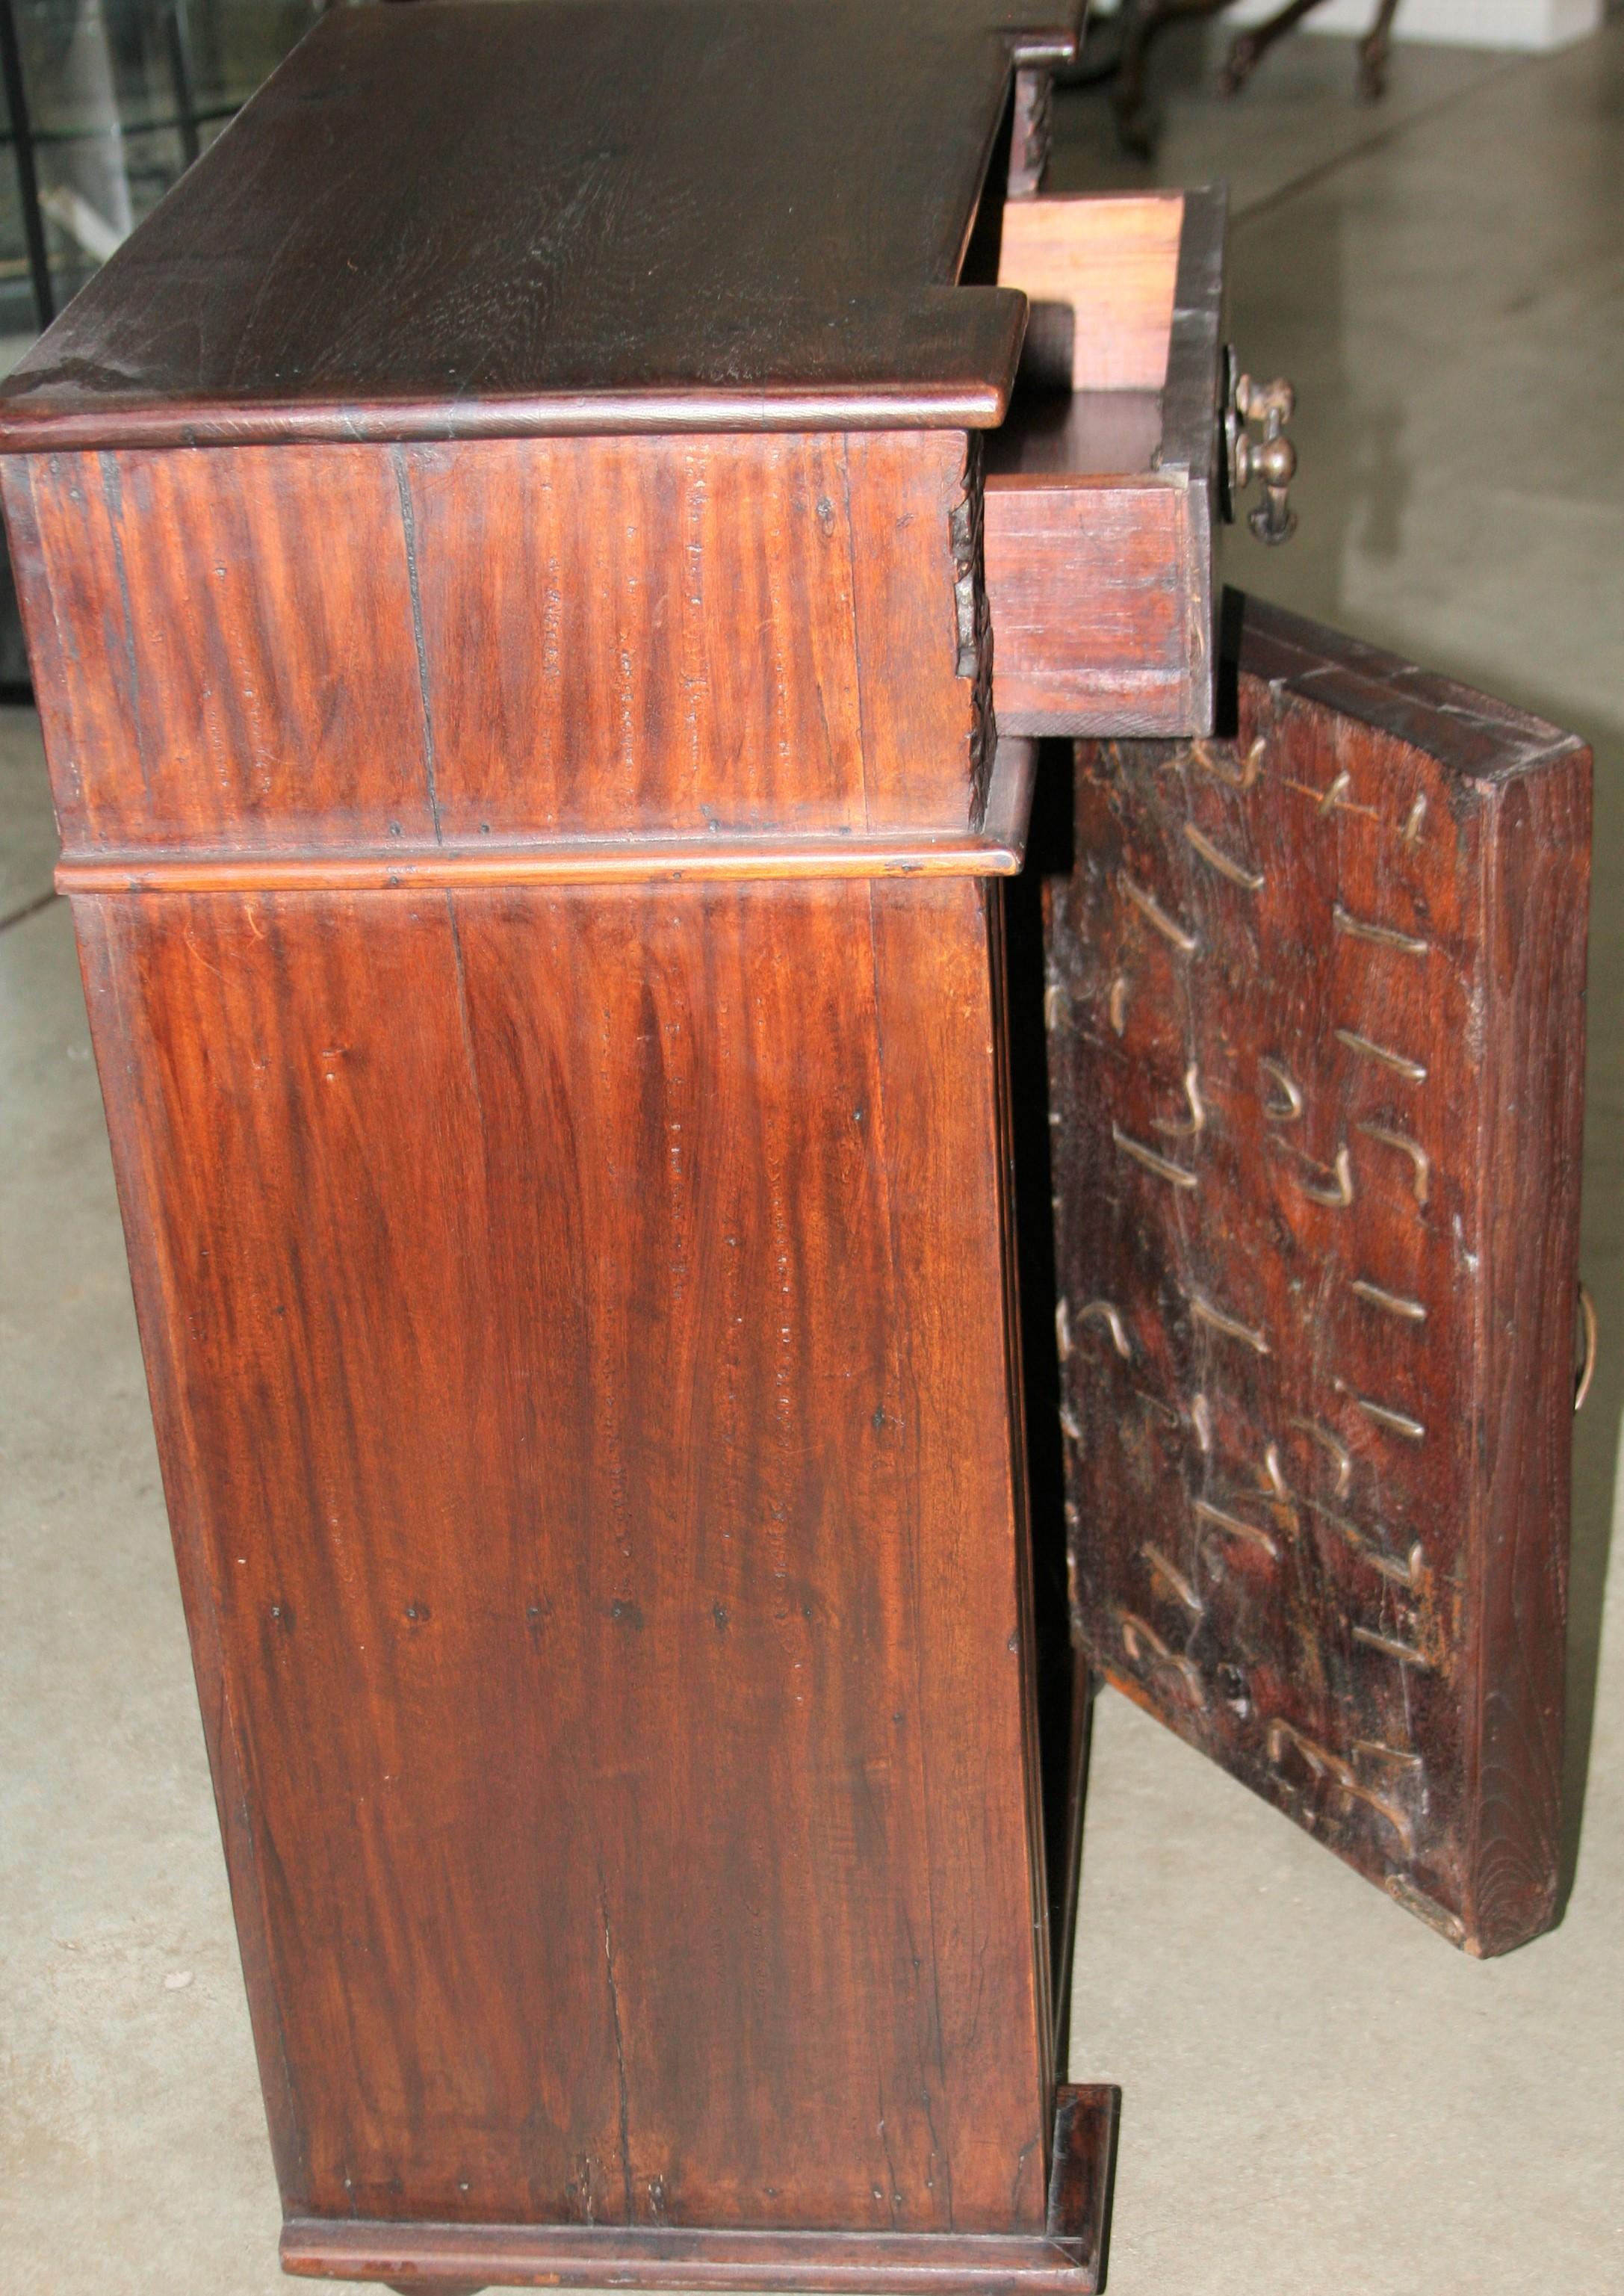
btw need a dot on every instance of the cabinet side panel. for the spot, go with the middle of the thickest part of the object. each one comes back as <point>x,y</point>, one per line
<point>575,1333</point>
<point>645,632</point>
<point>235,663</point>
<point>316,648</point>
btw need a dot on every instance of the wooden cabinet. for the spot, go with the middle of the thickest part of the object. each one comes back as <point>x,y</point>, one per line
<point>545,573</point>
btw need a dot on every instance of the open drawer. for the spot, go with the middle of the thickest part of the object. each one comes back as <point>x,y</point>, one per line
<point>1102,487</point>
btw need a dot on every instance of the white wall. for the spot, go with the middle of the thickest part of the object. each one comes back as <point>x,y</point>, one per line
<point>1479,23</point>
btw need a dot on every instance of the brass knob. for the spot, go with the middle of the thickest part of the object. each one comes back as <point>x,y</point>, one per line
<point>1255,402</point>
<point>1271,459</point>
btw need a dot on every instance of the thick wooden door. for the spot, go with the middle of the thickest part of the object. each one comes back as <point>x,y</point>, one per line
<point>1316,1055</point>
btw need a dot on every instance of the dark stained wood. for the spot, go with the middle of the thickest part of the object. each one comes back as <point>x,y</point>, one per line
<point>445,221</point>
<point>538,668</point>
<point>1083,2171</point>
<point>504,641</point>
<point>1100,508</point>
<point>996,849</point>
<point>576,1335</point>
<point>1316,1060</point>
<point>1090,608</point>
<point>502,555</point>
<point>1030,127</point>
<point>1068,2258</point>
<point>1083,434</point>
<point>551,1017</point>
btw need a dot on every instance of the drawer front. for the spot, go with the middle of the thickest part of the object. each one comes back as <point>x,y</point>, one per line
<point>1102,487</point>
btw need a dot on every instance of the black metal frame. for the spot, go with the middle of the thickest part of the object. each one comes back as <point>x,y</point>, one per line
<point>26,139</point>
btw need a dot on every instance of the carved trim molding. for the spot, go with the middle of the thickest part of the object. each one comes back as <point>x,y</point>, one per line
<point>1033,125</point>
<point>967,526</point>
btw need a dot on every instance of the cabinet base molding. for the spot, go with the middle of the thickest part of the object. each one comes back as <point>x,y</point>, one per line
<point>1067,2258</point>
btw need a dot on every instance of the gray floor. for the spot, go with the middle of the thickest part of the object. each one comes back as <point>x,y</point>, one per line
<point>1320,2095</point>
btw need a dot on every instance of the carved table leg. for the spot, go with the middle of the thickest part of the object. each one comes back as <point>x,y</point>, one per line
<point>1374,51</point>
<point>1250,48</point>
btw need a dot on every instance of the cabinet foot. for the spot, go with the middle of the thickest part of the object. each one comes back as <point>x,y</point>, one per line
<point>1066,2259</point>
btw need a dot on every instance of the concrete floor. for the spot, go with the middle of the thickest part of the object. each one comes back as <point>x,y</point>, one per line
<point>1320,2095</point>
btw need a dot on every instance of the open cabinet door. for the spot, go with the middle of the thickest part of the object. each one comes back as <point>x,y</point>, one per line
<point>1316,1007</point>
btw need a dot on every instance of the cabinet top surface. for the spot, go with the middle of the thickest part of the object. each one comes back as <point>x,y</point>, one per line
<point>467,217</point>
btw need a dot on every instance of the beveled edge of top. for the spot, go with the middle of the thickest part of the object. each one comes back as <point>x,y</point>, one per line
<point>973,402</point>
<point>964,384</point>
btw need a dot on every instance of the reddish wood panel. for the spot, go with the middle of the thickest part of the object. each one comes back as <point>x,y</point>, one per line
<point>708,634</point>
<point>206,672</point>
<point>498,641</point>
<point>1066,2259</point>
<point>1097,604</point>
<point>1316,1059</point>
<point>576,1325</point>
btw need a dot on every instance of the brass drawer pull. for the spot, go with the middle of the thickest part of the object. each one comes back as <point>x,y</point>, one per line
<point>1272,459</point>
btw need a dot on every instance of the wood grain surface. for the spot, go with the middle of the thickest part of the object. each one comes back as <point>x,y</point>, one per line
<point>420,2259</point>
<point>1092,619</point>
<point>1317,1058</point>
<point>1067,2259</point>
<point>501,553</point>
<point>499,642</point>
<point>577,1328</point>
<point>1113,262</point>
<point>1099,560</point>
<point>442,221</point>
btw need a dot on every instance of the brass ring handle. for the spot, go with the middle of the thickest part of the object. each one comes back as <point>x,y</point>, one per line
<point>1272,458</point>
<point>1587,1369</point>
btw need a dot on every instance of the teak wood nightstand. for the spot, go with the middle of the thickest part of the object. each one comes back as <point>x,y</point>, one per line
<point>553,563</point>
